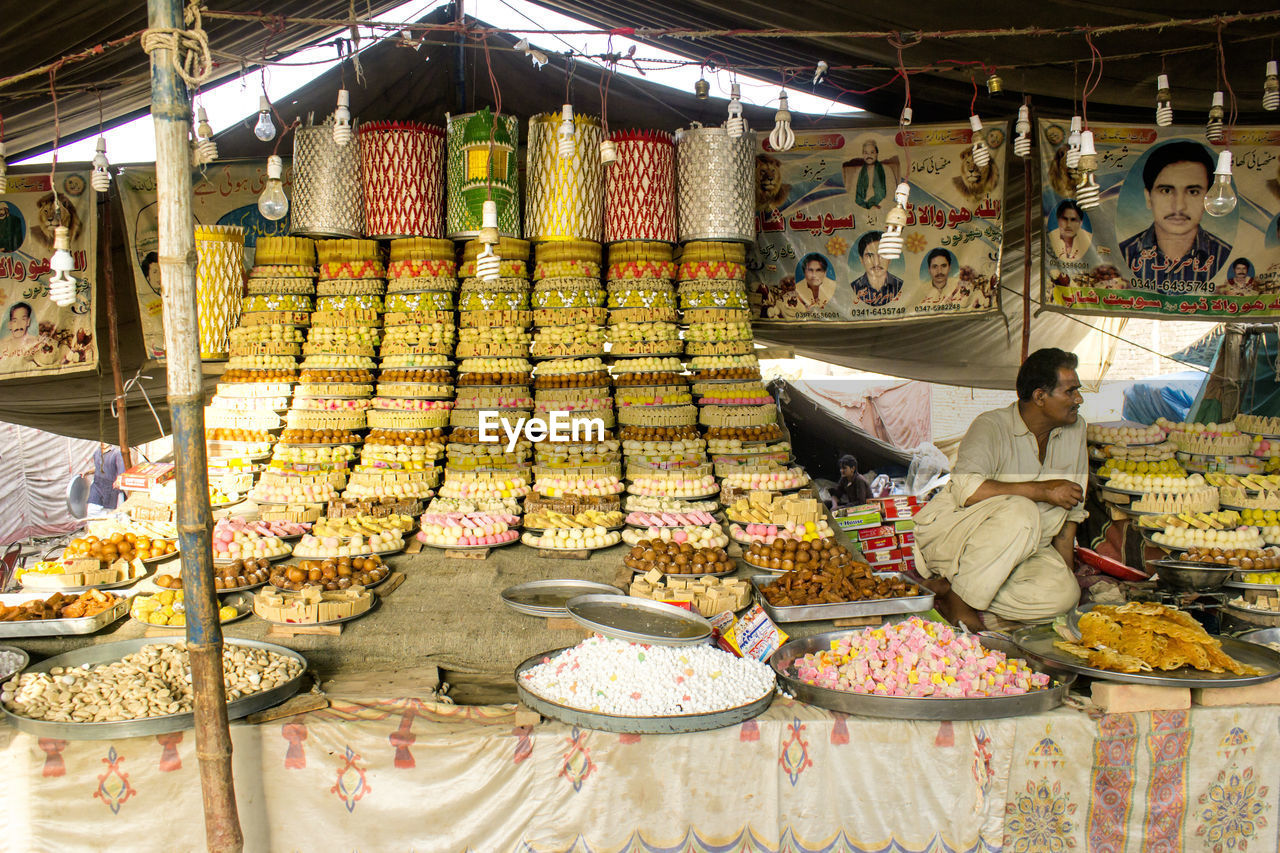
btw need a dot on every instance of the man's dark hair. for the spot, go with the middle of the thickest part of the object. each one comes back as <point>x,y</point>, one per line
<point>814,256</point>
<point>937,253</point>
<point>18,305</point>
<point>1040,371</point>
<point>1244,261</point>
<point>1183,151</point>
<point>848,461</point>
<point>867,239</point>
<point>1069,204</point>
<point>147,260</point>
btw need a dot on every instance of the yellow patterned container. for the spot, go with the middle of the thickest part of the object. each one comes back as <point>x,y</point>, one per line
<point>565,195</point>
<point>219,286</point>
<point>285,252</point>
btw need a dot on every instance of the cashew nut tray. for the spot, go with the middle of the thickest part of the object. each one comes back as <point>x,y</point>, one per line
<point>111,652</point>
<point>57,627</point>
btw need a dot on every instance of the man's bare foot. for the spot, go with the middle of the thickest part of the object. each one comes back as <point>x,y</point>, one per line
<point>952,607</point>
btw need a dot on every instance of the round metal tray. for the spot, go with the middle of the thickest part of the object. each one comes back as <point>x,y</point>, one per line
<point>639,620</point>
<point>1037,642</point>
<point>701,497</point>
<point>1254,615</point>
<point>108,652</point>
<point>552,551</point>
<point>916,708</point>
<point>540,530</point>
<point>218,564</point>
<point>634,725</point>
<point>551,597</point>
<point>723,574</point>
<point>1236,583</point>
<point>1261,636</point>
<point>353,556</point>
<point>761,568</point>
<point>515,541</point>
<point>241,601</point>
<point>78,589</point>
<point>23,660</point>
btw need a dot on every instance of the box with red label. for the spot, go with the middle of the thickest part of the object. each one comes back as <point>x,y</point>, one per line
<point>907,538</point>
<point>886,555</point>
<point>142,477</point>
<point>875,532</point>
<point>909,564</point>
<point>879,544</point>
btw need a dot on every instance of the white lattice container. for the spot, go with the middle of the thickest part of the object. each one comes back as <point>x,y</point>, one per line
<point>715,185</point>
<point>328,199</point>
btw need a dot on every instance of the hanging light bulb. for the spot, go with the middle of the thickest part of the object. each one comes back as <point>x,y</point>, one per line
<point>905,118</point>
<point>100,180</point>
<point>4,170</point>
<point>702,89</point>
<point>994,84</point>
<point>1022,142</point>
<point>1271,88</point>
<point>62,286</point>
<point>565,134</point>
<point>273,204</point>
<point>1073,144</point>
<point>489,262</point>
<point>783,137</point>
<point>265,129</point>
<point>1213,127</point>
<point>1164,102</point>
<point>981,153</point>
<point>608,152</point>
<point>1088,193</point>
<point>891,241</point>
<point>820,73</point>
<point>735,125</point>
<point>1221,198</point>
<point>206,149</point>
<point>342,118</point>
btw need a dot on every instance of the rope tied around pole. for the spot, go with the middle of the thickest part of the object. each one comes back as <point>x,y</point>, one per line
<point>188,49</point>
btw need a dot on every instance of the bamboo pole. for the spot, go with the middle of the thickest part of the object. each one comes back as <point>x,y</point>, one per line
<point>1026,250</point>
<point>171,112</point>
<point>113,334</point>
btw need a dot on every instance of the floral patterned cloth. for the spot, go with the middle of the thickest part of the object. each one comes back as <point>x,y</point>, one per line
<point>409,774</point>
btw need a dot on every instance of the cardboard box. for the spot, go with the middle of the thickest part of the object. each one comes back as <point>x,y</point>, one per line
<point>875,532</point>
<point>880,543</point>
<point>908,538</point>
<point>142,477</point>
<point>904,525</point>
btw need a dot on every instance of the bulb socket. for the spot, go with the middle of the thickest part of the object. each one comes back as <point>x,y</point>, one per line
<point>702,89</point>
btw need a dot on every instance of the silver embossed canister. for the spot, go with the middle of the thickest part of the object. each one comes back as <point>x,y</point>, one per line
<point>328,198</point>
<point>715,185</point>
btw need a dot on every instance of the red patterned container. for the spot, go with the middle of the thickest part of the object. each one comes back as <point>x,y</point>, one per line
<point>640,188</point>
<point>403,167</point>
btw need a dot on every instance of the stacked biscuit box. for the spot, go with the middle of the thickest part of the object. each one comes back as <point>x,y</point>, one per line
<point>885,528</point>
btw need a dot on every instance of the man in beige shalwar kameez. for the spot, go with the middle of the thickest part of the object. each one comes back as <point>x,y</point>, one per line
<point>1000,536</point>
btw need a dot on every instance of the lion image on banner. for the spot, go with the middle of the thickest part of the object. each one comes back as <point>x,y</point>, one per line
<point>771,192</point>
<point>973,183</point>
<point>48,218</point>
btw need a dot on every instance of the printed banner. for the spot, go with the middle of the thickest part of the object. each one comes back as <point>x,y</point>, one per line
<point>821,210</point>
<point>1152,249</point>
<point>37,337</point>
<point>223,193</point>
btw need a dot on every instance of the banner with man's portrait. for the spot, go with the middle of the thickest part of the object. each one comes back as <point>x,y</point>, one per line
<point>37,337</point>
<point>820,216</point>
<point>1152,248</point>
<point>223,193</point>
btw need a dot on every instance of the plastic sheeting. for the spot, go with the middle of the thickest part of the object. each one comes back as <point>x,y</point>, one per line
<point>35,468</point>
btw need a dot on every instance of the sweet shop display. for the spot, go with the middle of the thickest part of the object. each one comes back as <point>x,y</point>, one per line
<point>1155,483</point>
<point>1129,638</point>
<point>59,606</point>
<point>678,558</point>
<point>572,539</point>
<point>1183,538</point>
<point>1125,435</point>
<point>321,547</point>
<point>708,594</point>
<point>1258,425</point>
<point>624,679</point>
<point>818,584</point>
<point>916,658</point>
<point>330,574</point>
<point>238,574</point>
<point>168,608</point>
<point>312,605</point>
<point>710,536</point>
<point>1196,500</point>
<point>154,681</point>
<point>234,539</point>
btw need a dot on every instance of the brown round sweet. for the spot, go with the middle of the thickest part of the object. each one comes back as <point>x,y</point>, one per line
<point>649,433</point>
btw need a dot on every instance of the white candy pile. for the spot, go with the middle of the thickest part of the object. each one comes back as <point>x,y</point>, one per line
<point>634,680</point>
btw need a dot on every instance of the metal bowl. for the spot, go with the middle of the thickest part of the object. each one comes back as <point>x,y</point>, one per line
<point>23,660</point>
<point>1191,577</point>
<point>1261,636</point>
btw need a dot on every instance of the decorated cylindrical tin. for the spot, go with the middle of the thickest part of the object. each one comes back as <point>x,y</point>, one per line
<point>565,194</point>
<point>219,285</point>
<point>472,176</point>
<point>328,200</point>
<point>640,188</point>
<point>402,167</point>
<point>715,190</point>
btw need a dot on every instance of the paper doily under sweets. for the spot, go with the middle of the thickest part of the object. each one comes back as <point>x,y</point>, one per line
<point>565,194</point>
<point>328,199</point>
<point>715,185</point>
<point>467,174</point>
<point>640,188</point>
<point>219,285</point>
<point>402,167</point>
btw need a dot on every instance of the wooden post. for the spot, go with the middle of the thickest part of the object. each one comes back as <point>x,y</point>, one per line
<point>171,111</point>
<point>113,334</point>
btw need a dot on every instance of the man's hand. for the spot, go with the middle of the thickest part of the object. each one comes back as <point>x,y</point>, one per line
<point>1062,493</point>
